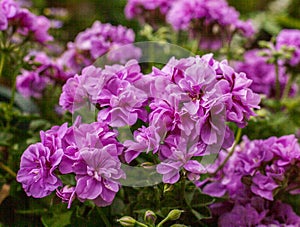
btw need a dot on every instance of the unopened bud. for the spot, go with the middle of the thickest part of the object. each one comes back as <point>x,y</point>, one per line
<point>174,214</point>
<point>150,217</point>
<point>168,187</point>
<point>127,221</point>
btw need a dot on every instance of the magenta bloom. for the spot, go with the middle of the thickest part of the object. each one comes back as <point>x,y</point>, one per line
<point>10,8</point>
<point>263,186</point>
<point>82,88</point>
<point>150,11</point>
<point>25,23</point>
<point>44,71</point>
<point>31,25</point>
<point>30,84</point>
<point>37,170</point>
<point>181,159</point>
<point>262,166</point>
<point>3,21</point>
<point>145,140</point>
<point>261,73</point>
<point>241,216</point>
<point>67,194</point>
<point>290,38</point>
<point>96,41</point>
<point>212,22</point>
<point>98,181</point>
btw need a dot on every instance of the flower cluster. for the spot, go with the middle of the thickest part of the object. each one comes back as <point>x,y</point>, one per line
<point>186,119</point>
<point>290,38</point>
<point>262,73</point>
<point>44,71</point>
<point>257,170</point>
<point>89,151</point>
<point>151,11</point>
<point>97,41</point>
<point>214,22</point>
<point>23,23</point>
<point>88,46</point>
<point>190,100</point>
<point>254,211</point>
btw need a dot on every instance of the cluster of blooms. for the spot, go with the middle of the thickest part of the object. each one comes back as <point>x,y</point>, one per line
<point>212,22</point>
<point>189,102</point>
<point>258,170</point>
<point>150,12</point>
<point>97,41</point>
<point>22,23</point>
<point>88,46</point>
<point>252,210</point>
<point>89,151</point>
<point>262,73</point>
<point>290,38</point>
<point>44,71</point>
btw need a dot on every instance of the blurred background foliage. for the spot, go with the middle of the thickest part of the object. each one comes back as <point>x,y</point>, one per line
<point>272,15</point>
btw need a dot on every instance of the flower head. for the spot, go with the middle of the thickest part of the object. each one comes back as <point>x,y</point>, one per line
<point>36,172</point>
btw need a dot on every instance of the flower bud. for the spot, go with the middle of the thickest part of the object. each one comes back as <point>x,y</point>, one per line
<point>174,214</point>
<point>168,187</point>
<point>150,217</point>
<point>127,221</point>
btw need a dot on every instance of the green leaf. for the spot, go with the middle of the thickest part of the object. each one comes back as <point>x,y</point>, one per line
<point>39,124</point>
<point>5,137</point>
<point>202,213</point>
<point>57,219</point>
<point>195,198</point>
<point>124,134</point>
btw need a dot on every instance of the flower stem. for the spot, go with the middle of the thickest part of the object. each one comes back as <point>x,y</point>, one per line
<point>2,60</point>
<point>141,224</point>
<point>104,218</point>
<point>237,139</point>
<point>182,194</point>
<point>8,170</point>
<point>162,222</point>
<point>277,84</point>
<point>288,86</point>
<point>32,212</point>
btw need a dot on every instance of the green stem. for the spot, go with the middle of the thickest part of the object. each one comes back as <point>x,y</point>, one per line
<point>162,222</point>
<point>182,194</point>
<point>32,212</point>
<point>8,170</point>
<point>195,45</point>
<point>12,98</point>
<point>288,86</point>
<point>103,217</point>
<point>237,139</point>
<point>140,224</point>
<point>228,49</point>
<point>2,60</point>
<point>277,85</point>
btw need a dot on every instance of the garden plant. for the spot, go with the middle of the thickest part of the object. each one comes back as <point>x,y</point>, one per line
<point>183,113</point>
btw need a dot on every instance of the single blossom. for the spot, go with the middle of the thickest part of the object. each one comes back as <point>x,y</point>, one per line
<point>67,194</point>
<point>99,180</point>
<point>36,173</point>
<point>290,38</point>
<point>30,84</point>
<point>96,41</point>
